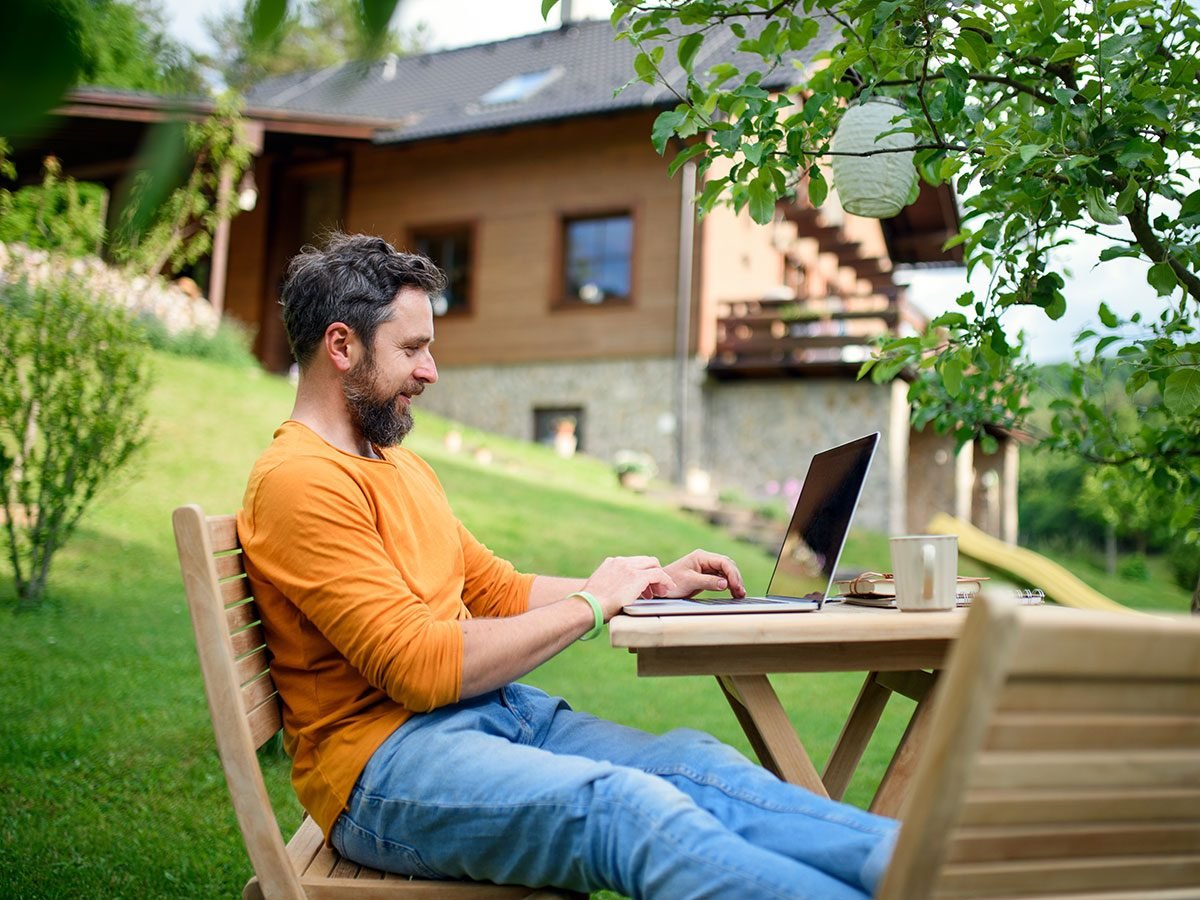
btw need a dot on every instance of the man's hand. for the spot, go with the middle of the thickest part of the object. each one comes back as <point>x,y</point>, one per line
<point>703,571</point>
<point>622,579</point>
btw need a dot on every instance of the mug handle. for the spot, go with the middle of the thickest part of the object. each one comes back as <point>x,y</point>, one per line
<point>927,557</point>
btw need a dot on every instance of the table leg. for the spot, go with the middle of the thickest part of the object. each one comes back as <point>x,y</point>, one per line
<point>856,734</point>
<point>893,789</point>
<point>769,729</point>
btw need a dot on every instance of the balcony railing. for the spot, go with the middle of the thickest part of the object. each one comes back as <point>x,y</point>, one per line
<point>757,338</point>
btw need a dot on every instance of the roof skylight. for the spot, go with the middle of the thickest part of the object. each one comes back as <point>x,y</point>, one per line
<point>520,87</point>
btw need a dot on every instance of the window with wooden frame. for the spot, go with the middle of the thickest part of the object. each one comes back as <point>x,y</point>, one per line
<point>451,247</point>
<point>597,261</point>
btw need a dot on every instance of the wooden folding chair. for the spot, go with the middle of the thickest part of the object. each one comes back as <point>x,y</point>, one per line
<point>246,714</point>
<point>1063,759</point>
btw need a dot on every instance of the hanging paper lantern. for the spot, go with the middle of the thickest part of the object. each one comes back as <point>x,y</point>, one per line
<point>875,186</point>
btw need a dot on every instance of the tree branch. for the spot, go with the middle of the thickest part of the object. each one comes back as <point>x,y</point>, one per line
<point>1018,86</point>
<point>1143,233</point>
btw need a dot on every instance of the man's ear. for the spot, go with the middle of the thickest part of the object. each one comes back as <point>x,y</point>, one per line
<point>341,346</point>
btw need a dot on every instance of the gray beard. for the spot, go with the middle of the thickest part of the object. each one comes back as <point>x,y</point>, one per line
<point>377,420</point>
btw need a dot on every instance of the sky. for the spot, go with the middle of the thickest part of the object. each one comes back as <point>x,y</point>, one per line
<point>1120,283</point>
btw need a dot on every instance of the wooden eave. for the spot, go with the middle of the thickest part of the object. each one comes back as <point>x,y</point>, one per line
<point>916,234</point>
<point>115,106</point>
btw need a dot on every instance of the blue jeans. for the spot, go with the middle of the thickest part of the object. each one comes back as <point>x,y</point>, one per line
<point>515,787</point>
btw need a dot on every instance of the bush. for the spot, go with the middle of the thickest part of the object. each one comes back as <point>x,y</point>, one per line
<point>59,214</point>
<point>1134,568</point>
<point>72,412</point>
<point>1184,559</point>
<point>229,345</point>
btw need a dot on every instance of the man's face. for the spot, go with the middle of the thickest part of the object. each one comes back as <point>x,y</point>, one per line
<point>394,369</point>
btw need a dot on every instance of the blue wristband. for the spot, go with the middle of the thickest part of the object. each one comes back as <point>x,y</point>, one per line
<point>597,611</point>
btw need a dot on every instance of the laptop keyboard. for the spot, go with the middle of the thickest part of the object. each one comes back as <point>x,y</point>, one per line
<point>735,601</point>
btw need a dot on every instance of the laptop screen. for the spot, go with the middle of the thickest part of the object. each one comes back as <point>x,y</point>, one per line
<point>817,533</point>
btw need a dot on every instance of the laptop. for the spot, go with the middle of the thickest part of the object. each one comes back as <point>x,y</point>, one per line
<point>811,547</point>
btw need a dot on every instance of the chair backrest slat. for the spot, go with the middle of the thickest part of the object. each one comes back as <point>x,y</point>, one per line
<point>229,564</point>
<point>1040,730</point>
<point>1064,756</point>
<point>247,640</point>
<point>239,616</point>
<point>241,695</point>
<point>235,590</point>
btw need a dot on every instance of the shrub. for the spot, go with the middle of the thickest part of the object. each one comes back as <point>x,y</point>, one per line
<point>229,344</point>
<point>59,214</point>
<point>1184,559</point>
<point>72,412</point>
<point>1134,568</point>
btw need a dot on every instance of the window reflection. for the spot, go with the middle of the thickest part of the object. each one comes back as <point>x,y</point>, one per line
<point>598,259</point>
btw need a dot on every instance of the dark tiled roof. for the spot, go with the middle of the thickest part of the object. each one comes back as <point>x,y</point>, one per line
<point>438,94</point>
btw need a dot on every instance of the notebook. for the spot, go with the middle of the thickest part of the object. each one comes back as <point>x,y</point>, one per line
<point>811,547</point>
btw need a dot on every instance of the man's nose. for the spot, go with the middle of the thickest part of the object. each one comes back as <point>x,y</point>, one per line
<point>427,370</point>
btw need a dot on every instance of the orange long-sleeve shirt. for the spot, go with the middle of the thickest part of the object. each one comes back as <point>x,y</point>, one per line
<point>362,574</point>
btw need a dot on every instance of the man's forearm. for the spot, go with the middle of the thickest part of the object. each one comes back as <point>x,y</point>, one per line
<point>499,651</point>
<point>549,589</point>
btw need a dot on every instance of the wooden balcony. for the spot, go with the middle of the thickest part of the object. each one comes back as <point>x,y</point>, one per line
<point>787,338</point>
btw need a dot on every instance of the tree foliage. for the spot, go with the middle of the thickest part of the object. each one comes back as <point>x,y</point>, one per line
<point>72,412</point>
<point>1051,119</point>
<point>125,44</point>
<point>310,35</point>
<point>159,235</point>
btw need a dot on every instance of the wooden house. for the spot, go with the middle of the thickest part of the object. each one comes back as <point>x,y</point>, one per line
<point>582,287</point>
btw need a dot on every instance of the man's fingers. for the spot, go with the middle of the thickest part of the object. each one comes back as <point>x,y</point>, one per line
<point>643,562</point>
<point>662,584</point>
<point>714,564</point>
<point>710,583</point>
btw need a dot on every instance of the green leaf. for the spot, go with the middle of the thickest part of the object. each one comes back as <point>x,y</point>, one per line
<point>1128,197</point>
<point>1190,206</point>
<point>687,49</point>
<point>1057,307</point>
<point>265,19</point>
<point>548,5</point>
<point>818,187</point>
<point>722,72</point>
<point>972,46</point>
<point>1029,151</point>
<point>949,167</point>
<point>1184,513</point>
<point>949,320</point>
<point>1068,50</point>
<point>1108,317</point>
<point>762,199</point>
<point>1099,208</point>
<point>1118,251</point>
<point>41,53</point>
<point>1181,394</point>
<point>952,373</point>
<point>683,156</point>
<point>664,128</point>
<point>376,14</point>
<point>1162,278</point>
<point>644,68</point>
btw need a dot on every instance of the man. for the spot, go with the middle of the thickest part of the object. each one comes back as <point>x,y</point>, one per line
<point>397,638</point>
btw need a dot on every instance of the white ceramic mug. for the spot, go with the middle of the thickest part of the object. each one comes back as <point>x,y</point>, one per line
<point>925,567</point>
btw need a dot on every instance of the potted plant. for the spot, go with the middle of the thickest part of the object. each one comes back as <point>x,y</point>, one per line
<point>634,469</point>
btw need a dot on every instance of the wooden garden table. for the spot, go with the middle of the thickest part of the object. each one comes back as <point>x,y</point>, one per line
<point>900,652</point>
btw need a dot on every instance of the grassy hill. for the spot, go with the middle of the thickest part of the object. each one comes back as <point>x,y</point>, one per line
<point>108,775</point>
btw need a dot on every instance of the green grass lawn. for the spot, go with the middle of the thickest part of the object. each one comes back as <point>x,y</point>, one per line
<point>108,775</point>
